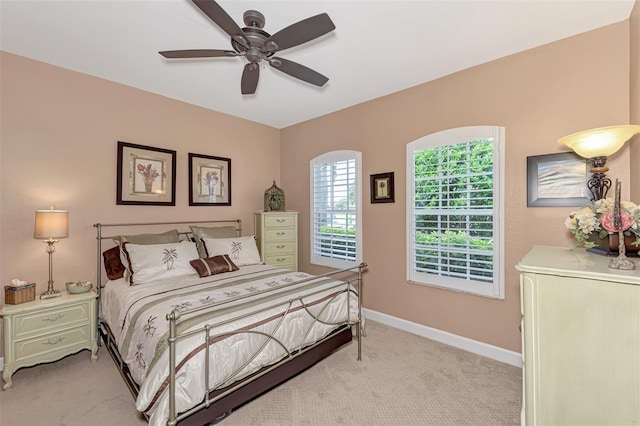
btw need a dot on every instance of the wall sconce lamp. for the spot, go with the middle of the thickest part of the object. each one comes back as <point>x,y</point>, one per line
<point>597,145</point>
<point>49,226</point>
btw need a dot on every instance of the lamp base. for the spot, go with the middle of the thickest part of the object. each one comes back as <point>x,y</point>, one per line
<point>50,294</point>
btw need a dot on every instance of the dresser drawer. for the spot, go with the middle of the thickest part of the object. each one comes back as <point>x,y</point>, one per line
<point>274,221</point>
<point>281,247</point>
<point>281,260</point>
<point>284,234</point>
<point>49,346</point>
<point>52,319</point>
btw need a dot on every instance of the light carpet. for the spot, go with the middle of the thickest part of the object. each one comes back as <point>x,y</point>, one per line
<point>403,379</point>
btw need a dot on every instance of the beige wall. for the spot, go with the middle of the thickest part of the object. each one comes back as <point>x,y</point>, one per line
<point>59,136</point>
<point>538,96</point>
<point>634,99</point>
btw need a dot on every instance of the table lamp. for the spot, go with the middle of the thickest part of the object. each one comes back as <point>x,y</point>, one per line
<point>49,226</point>
<point>597,145</point>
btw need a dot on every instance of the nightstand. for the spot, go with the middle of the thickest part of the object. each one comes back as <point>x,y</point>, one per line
<point>47,330</point>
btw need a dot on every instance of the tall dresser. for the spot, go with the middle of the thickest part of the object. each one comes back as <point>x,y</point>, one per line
<point>580,339</point>
<point>277,238</point>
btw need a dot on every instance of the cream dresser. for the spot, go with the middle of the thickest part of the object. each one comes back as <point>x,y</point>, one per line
<point>277,238</point>
<point>580,339</point>
<point>47,330</point>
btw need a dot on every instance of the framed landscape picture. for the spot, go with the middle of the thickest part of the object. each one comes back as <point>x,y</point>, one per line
<point>557,180</point>
<point>145,175</point>
<point>209,180</point>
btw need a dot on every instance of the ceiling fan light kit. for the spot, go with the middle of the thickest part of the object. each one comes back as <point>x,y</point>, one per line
<point>256,45</point>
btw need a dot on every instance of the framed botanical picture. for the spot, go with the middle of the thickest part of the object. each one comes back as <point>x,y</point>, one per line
<point>382,188</point>
<point>145,175</point>
<point>209,180</point>
<point>557,180</point>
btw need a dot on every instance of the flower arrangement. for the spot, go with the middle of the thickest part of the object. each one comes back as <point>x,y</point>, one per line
<point>148,173</point>
<point>597,217</point>
<point>211,179</point>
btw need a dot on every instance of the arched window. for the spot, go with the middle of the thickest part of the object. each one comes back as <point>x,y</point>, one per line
<point>336,211</point>
<point>455,214</point>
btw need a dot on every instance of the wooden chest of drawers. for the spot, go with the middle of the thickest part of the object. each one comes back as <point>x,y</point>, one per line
<point>277,238</point>
<point>47,330</point>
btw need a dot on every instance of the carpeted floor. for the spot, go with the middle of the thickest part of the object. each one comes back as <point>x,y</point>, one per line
<point>403,379</point>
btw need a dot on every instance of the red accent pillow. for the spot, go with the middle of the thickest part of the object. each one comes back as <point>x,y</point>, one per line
<point>112,264</point>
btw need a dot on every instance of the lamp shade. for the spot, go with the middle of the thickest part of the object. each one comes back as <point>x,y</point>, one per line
<point>51,224</point>
<point>600,142</point>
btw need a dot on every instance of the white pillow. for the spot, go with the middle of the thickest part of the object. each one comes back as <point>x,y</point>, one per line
<point>149,262</point>
<point>242,250</point>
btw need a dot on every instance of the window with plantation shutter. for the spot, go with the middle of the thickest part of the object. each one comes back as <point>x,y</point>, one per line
<point>335,209</point>
<point>454,210</point>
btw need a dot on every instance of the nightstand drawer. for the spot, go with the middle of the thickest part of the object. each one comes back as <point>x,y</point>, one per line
<point>282,247</point>
<point>48,346</point>
<point>280,260</point>
<point>274,221</point>
<point>49,319</point>
<point>284,234</point>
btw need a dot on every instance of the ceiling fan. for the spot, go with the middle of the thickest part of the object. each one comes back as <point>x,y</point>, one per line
<point>256,45</point>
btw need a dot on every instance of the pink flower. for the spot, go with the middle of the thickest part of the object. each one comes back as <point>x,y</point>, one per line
<point>607,221</point>
<point>148,173</point>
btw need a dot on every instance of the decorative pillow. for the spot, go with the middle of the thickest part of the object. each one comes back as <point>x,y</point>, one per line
<point>149,262</point>
<point>242,250</point>
<point>200,232</point>
<point>166,237</point>
<point>213,265</point>
<point>112,264</point>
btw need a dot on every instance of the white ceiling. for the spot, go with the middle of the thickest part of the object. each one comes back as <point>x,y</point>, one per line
<point>378,47</point>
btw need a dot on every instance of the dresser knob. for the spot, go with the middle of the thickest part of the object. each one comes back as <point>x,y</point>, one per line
<point>280,246</point>
<point>279,220</point>
<point>280,233</point>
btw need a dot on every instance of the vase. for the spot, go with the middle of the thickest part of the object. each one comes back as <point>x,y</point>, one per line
<point>148,185</point>
<point>608,246</point>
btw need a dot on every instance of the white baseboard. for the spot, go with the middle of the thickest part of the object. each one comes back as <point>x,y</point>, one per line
<point>464,343</point>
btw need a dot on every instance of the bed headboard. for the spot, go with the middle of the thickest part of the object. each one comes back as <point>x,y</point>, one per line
<point>149,227</point>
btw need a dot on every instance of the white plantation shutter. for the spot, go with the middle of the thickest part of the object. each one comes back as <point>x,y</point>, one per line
<point>335,209</point>
<point>454,211</point>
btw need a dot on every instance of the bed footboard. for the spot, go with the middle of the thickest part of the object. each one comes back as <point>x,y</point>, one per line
<point>298,358</point>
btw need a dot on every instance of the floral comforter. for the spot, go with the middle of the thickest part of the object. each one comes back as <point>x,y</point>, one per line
<point>258,300</point>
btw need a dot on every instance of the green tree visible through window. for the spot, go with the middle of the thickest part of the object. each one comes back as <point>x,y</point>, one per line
<point>455,233</point>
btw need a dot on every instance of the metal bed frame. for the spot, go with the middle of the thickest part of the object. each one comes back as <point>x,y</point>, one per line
<point>220,400</point>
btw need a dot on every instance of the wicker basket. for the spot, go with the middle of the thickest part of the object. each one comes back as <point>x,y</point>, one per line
<point>15,295</point>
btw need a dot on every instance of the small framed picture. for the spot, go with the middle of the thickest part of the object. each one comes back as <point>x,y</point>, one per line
<point>382,188</point>
<point>557,180</point>
<point>209,180</point>
<point>145,175</point>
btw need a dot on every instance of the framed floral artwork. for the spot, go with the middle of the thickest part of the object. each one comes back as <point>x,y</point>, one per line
<point>209,180</point>
<point>382,188</point>
<point>557,180</point>
<point>145,175</point>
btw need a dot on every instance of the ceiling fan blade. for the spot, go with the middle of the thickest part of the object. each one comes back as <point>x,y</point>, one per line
<point>198,53</point>
<point>250,77</point>
<point>222,19</point>
<point>300,32</point>
<point>296,70</point>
